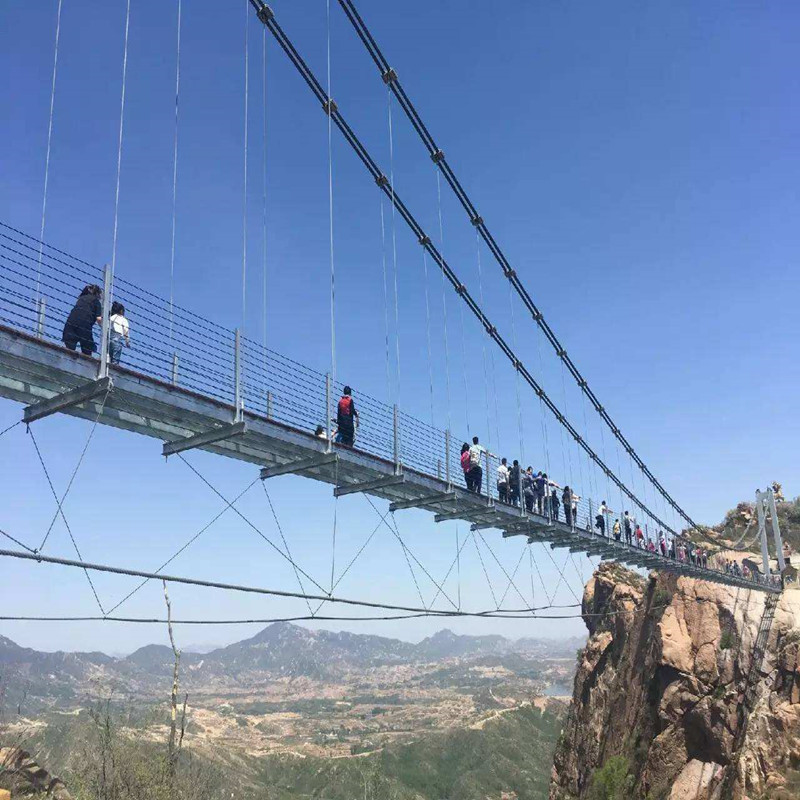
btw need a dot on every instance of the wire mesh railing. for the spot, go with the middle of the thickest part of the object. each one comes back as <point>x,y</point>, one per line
<point>38,287</point>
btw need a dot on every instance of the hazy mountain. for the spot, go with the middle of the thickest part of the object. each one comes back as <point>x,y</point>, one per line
<point>281,649</point>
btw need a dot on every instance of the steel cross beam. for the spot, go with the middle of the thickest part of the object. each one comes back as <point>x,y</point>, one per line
<point>213,436</point>
<point>73,397</point>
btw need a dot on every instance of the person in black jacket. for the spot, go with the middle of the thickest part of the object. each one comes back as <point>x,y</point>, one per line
<point>78,327</point>
<point>514,482</point>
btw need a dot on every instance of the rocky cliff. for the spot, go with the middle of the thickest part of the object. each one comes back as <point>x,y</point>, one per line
<point>658,707</point>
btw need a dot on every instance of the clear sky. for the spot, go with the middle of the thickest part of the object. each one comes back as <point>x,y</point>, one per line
<point>637,163</point>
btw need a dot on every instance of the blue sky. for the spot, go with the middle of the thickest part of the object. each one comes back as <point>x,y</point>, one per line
<point>637,164</point>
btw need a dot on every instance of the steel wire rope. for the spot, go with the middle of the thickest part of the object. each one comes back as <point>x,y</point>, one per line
<point>485,571</point>
<point>433,150</point>
<point>60,503</point>
<point>38,552</point>
<point>394,251</point>
<point>49,137</point>
<point>511,578</point>
<point>286,544</point>
<point>228,504</point>
<point>499,564</point>
<point>10,427</point>
<point>519,400</point>
<point>427,329</point>
<point>174,178</point>
<point>561,575</point>
<point>539,573</point>
<point>119,146</point>
<point>248,522</point>
<point>485,368</point>
<point>455,562</point>
<point>264,194</point>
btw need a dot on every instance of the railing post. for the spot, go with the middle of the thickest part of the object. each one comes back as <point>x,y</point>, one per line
<point>591,517</point>
<point>439,468</point>
<point>40,322</point>
<point>237,374</point>
<point>447,458</point>
<point>269,405</point>
<point>102,371</point>
<point>328,413</point>
<point>174,369</point>
<point>488,478</point>
<point>396,440</point>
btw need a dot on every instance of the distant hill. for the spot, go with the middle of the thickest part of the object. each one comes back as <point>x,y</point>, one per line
<point>280,650</point>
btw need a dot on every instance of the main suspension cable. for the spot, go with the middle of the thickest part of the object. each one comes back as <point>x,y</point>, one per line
<point>434,151</point>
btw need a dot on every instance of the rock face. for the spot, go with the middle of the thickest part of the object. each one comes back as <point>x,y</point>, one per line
<point>660,684</point>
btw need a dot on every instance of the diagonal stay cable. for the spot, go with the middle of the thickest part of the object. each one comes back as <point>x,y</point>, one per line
<point>60,503</point>
<point>456,560</point>
<point>228,505</point>
<point>539,573</point>
<point>396,533</point>
<point>61,511</point>
<point>505,571</point>
<point>562,577</point>
<point>485,571</point>
<point>511,579</point>
<point>286,544</point>
<point>10,427</point>
<point>17,541</point>
<point>251,525</point>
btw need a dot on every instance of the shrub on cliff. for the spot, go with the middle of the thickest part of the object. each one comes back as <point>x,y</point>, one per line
<point>612,781</point>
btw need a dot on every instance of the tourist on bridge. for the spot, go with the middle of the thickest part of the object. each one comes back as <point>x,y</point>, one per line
<point>662,543</point>
<point>554,505</point>
<point>515,482</point>
<point>626,524</point>
<point>540,491</point>
<point>502,481</point>
<point>120,332</point>
<point>465,466</point>
<point>617,529</point>
<point>476,452</point>
<point>639,536</point>
<point>528,488</point>
<point>566,499</point>
<point>86,312</point>
<point>600,519</point>
<point>346,418</point>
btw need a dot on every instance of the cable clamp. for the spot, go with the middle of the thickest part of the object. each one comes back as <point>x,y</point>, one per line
<point>510,274</point>
<point>537,315</point>
<point>477,220</point>
<point>382,180</point>
<point>517,364</point>
<point>265,13</point>
<point>424,240</point>
<point>561,353</point>
<point>329,106</point>
<point>491,330</point>
<point>540,393</point>
<point>390,76</point>
<point>437,156</point>
<point>460,289</point>
<point>600,409</point>
<point>582,383</point>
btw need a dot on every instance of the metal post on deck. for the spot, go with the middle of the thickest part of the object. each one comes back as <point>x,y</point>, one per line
<point>269,405</point>
<point>447,457</point>
<point>591,517</point>
<point>396,441</point>
<point>102,371</point>
<point>328,413</point>
<point>174,369</point>
<point>40,315</point>
<point>237,374</point>
<point>488,478</point>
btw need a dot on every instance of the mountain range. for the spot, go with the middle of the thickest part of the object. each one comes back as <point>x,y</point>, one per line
<point>281,650</point>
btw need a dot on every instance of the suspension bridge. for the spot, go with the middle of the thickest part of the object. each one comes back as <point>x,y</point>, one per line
<point>200,385</point>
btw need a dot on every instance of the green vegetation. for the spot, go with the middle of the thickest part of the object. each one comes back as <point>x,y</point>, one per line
<point>727,640</point>
<point>513,753</point>
<point>612,781</point>
<point>662,597</point>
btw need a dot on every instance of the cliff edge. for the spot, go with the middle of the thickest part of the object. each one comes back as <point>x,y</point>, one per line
<point>658,707</point>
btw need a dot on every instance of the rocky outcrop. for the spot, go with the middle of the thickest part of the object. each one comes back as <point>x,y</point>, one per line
<point>20,774</point>
<point>660,684</point>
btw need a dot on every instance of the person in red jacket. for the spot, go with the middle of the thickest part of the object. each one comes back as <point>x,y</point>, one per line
<point>346,418</point>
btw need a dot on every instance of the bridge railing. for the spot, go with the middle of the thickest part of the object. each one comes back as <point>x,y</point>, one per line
<point>38,288</point>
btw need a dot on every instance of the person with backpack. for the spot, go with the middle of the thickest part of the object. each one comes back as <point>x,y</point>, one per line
<point>626,524</point>
<point>346,418</point>
<point>554,505</point>
<point>617,529</point>
<point>515,483</point>
<point>566,500</point>
<point>502,481</point>
<point>540,490</point>
<point>476,452</point>
<point>465,466</point>
<point>527,489</point>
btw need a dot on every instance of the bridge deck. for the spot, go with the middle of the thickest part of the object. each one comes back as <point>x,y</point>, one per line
<point>33,370</point>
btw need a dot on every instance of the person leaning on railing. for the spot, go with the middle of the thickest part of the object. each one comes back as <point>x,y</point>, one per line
<point>87,311</point>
